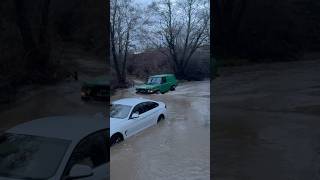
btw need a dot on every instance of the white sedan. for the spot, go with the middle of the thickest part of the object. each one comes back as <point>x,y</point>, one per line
<point>131,115</point>
<point>56,148</point>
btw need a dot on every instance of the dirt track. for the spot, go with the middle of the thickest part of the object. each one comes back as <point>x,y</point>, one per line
<point>266,120</point>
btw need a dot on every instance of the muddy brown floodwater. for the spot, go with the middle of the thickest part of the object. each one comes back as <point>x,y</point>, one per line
<point>266,122</point>
<point>177,148</point>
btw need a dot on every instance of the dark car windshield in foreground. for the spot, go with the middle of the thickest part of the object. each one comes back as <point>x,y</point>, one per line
<point>30,157</point>
<point>119,111</point>
<point>154,80</point>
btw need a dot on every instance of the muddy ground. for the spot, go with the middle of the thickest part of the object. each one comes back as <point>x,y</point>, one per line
<point>62,98</point>
<point>177,148</point>
<point>266,122</point>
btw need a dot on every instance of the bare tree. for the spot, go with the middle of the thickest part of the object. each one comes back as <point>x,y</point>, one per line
<point>123,18</point>
<point>180,27</point>
<point>37,49</point>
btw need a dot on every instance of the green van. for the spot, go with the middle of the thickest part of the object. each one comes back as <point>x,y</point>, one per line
<point>97,89</point>
<point>158,84</point>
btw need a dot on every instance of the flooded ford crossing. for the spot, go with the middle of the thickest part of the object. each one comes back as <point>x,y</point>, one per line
<point>178,147</point>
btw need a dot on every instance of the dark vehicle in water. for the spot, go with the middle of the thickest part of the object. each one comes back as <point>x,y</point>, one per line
<point>158,84</point>
<point>97,89</point>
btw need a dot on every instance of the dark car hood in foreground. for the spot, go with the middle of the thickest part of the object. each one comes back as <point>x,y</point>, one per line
<point>4,178</point>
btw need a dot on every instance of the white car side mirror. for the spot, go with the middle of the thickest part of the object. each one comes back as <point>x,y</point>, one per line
<point>80,171</point>
<point>134,115</point>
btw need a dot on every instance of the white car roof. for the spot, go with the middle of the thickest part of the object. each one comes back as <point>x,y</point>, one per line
<point>63,127</point>
<point>131,101</point>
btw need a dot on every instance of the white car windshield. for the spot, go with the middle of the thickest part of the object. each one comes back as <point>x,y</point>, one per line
<point>154,80</point>
<point>119,111</point>
<point>30,157</point>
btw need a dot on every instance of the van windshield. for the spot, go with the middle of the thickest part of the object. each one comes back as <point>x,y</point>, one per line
<point>154,80</point>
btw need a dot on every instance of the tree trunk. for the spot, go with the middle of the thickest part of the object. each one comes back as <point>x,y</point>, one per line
<point>114,54</point>
<point>180,74</point>
<point>23,23</point>
<point>44,39</point>
<point>36,54</point>
<point>179,70</point>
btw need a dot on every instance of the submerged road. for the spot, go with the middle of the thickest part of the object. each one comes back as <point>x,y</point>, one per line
<point>266,122</point>
<point>177,148</point>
